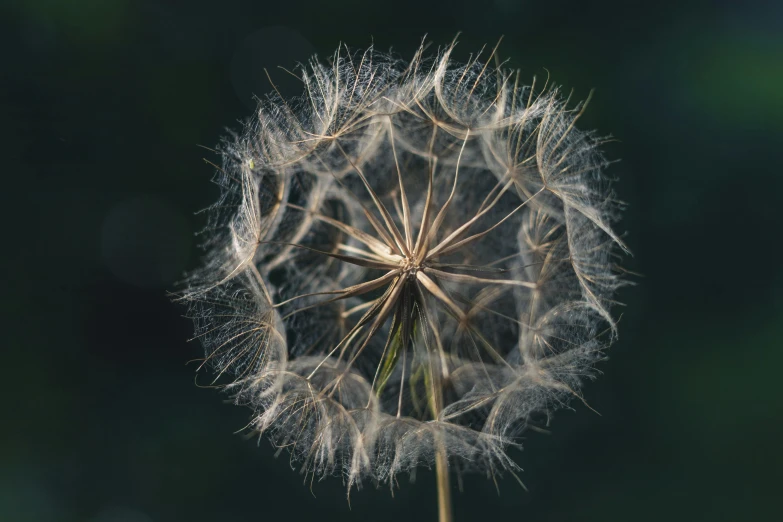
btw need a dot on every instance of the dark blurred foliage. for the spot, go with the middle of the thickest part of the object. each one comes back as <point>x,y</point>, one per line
<point>104,104</point>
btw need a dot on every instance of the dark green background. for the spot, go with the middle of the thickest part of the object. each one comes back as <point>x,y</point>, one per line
<point>103,104</point>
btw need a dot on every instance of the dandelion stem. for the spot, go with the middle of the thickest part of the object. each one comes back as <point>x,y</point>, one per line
<point>444,488</point>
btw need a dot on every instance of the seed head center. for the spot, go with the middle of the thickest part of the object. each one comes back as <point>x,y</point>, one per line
<point>410,267</point>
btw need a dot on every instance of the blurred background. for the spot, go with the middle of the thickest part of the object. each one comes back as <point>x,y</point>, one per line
<point>104,104</point>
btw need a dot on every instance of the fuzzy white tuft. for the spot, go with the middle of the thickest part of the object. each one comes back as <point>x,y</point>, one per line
<point>411,258</point>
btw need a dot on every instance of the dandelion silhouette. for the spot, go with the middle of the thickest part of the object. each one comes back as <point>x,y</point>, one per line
<point>406,264</point>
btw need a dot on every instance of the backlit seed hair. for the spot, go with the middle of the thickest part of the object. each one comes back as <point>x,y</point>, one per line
<point>412,259</point>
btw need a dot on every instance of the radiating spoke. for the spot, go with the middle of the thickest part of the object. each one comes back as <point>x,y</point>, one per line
<point>372,312</point>
<point>433,163</point>
<point>351,291</point>
<point>379,247</point>
<point>464,228</point>
<point>442,213</point>
<point>470,268</point>
<point>382,311</point>
<point>366,263</point>
<point>391,227</point>
<point>406,210</point>
<point>469,279</point>
<point>379,229</point>
<point>435,290</point>
<point>461,244</point>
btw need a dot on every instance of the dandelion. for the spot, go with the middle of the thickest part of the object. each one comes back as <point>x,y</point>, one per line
<point>407,266</point>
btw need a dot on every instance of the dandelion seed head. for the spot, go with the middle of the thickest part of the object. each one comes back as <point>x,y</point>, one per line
<point>411,257</point>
